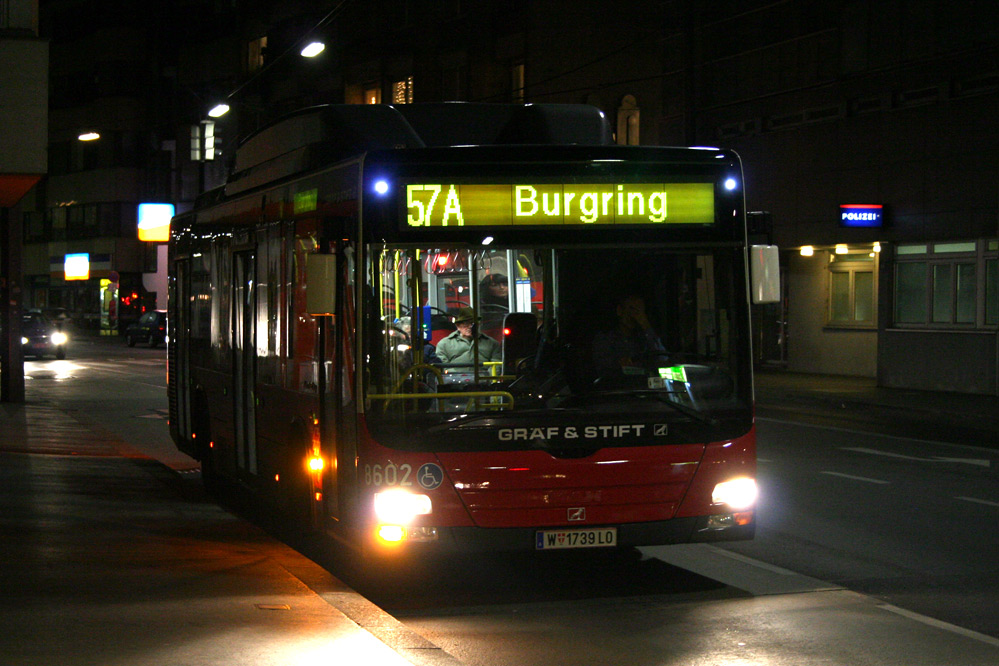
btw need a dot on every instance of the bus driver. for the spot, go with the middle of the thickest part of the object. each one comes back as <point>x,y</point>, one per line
<point>631,340</point>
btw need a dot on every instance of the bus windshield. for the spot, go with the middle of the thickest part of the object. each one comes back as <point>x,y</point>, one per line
<point>524,340</point>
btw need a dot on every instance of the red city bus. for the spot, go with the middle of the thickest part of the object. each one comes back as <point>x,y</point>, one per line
<point>595,391</point>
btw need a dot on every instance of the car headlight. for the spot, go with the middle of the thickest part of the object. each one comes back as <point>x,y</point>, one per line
<point>738,493</point>
<point>59,338</point>
<point>399,507</point>
<point>24,341</point>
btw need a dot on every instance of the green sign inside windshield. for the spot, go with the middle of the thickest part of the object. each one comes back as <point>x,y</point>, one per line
<point>460,205</point>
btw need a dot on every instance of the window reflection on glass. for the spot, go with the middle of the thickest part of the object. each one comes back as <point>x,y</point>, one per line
<point>941,294</point>
<point>839,305</point>
<point>863,304</point>
<point>910,293</point>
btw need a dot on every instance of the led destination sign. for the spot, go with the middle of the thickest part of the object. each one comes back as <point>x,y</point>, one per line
<point>459,205</point>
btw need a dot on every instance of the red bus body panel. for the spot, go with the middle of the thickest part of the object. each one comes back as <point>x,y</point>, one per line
<point>531,488</point>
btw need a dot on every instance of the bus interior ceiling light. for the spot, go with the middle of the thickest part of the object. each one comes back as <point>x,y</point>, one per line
<point>218,110</point>
<point>807,250</point>
<point>312,49</point>
<point>89,136</point>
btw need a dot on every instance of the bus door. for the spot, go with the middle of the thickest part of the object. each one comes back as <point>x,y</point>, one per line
<point>244,360</point>
<point>180,344</point>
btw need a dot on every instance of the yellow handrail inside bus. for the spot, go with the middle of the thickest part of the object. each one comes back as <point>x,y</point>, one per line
<point>419,366</point>
<point>447,396</point>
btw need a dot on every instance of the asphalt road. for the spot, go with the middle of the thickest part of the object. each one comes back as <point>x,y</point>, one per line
<point>871,549</point>
<point>909,521</point>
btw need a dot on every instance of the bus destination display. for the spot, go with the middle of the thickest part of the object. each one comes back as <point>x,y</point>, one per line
<point>458,205</point>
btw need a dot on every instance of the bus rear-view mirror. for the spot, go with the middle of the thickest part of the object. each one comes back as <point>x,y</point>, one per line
<point>764,273</point>
<point>320,278</point>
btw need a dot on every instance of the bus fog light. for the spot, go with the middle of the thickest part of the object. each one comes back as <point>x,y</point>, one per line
<point>737,493</point>
<point>421,534</point>
<point>720,521</point>
<point>391,533</point>
<point>400,506</point>
<point>724,520</point>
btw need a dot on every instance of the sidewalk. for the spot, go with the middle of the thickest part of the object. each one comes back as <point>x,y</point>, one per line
<point>858,403</point>
<point>111,558</point>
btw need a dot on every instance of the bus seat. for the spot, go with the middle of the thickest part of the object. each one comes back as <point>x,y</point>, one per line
<point>441,326</point>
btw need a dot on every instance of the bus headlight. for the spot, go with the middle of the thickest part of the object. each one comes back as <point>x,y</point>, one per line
<point>738,493</point>
<point>59,338</point>
<point>399,507</point>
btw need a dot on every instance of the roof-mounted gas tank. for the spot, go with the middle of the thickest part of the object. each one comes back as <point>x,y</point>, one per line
<point>314,136</point>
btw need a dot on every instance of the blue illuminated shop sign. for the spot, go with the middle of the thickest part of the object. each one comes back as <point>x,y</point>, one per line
<point>861,215</point>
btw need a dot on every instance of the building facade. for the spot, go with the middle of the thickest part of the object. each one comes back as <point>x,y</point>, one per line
<point>882,104</point>
<point>110,148</point>
<point>886,104</point>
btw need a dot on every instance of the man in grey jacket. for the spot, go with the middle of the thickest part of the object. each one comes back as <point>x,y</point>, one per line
<point>457,348</point>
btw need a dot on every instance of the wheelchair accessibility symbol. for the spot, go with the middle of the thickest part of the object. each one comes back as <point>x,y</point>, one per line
<point>430,476</point>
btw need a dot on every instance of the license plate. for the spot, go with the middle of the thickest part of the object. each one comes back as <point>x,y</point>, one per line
<point>598,537</point>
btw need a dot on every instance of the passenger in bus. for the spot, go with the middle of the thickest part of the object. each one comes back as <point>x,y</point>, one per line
<point>457,348</point>
<point>494,301</point>
<point>631,343</point>
<point>494,291</point>
<point>405,326</point>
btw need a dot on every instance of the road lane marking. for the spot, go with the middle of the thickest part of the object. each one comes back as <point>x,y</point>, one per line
<point>888,454</point>
<point>978,501</point>
<point>871,433</point>
<point>940,624</point>
<point>967,461</point>
<point>736,570</point>
<point>876,452</point>
<point>856,478</point>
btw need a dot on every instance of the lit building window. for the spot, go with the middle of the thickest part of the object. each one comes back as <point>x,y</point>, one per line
<point>372,96</point>
<point>627,121</point>
<point>203,141</point>
<point>255,53</point>
<point>852,295</point>
<point>517,83</point>
<point>402,91</point>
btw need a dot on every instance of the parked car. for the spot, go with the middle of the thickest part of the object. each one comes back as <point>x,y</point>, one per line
<point>40,336</point>
<point>150,328</point>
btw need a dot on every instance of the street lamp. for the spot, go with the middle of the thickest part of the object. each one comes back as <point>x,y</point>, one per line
<point>89,136</point>
<point>219,110</point>
<point>313,49</point>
